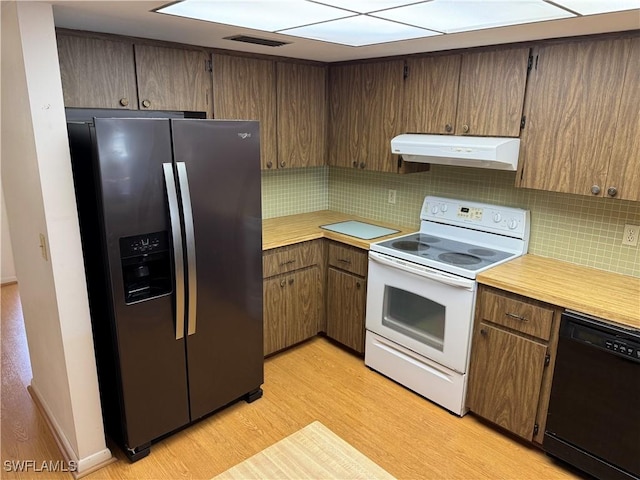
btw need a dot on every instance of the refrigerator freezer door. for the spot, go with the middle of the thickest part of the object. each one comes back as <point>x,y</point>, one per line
<point>152,365</point>
<point>222,162</point>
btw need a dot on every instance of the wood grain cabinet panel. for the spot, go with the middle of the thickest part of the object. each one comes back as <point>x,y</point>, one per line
<point>292,257</point>
<point>624,166</point>
<point>345,123</point>
<point>97,73</point>
<point>505,378</point>
<point>365,114</point>
<point>346,305</point>
<point>173,79</point>
<point>292,308</point>
<point>302,115</point>
<point>431,94</point>
<point>275,300</point>
<point>479,94</point>
<point>245,89</point>
<point>572,110</point>
<point>491,93</point>
<point>293,289</point>
<point>527,318</point>
<point>350,259</point>
<point>346,295</point>
<point>512,361</point>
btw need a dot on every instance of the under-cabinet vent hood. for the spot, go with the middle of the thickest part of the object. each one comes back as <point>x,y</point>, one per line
<point>481,152</point>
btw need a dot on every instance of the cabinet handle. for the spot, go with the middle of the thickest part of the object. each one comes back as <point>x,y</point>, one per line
<point>124,101</point>
<point>355,164</point>
<point>343,260</point>
<point>517,317</point>
<point>483,332</point>
<point>288,262</point>
<point>595,189</point>
<point>448,128</point>
<point>269,164</point>
<point>358,285</point>
<point>465,128</point>
<point>283,282</point>
<point>612,191</point>
<point>291,281</point>
<point>362,164</point>
<point>283,164</point>
<point>146,103</point>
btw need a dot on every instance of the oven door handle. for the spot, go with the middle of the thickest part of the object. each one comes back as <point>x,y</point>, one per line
<point>425,272</point>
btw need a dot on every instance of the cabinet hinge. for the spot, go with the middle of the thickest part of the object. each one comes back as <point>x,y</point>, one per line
<point>547,360</point>
<point>530,63</point>
<point>536,428</point>
<point>405,72</point>
<point>208,66</point>
<point>523,121</point>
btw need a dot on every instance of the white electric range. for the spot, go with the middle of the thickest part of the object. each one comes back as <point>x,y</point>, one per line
<point>421,293</point>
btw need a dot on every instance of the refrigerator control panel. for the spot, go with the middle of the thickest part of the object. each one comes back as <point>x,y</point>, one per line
<point>144,244</point>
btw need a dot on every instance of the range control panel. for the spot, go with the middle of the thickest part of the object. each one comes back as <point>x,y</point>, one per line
<point>513,222</point>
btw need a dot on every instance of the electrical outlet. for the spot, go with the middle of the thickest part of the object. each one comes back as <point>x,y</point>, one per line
<point>391,198</point>
<point>630,236</point>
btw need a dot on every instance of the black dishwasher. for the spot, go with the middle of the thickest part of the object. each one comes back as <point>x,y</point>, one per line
<point>593,422</point>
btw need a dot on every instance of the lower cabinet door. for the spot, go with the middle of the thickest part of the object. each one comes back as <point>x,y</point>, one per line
<point>274,313</point>
<point>346,302</point>
<point>304,294</point>
<point>292,308</point>
<point>505,378</point>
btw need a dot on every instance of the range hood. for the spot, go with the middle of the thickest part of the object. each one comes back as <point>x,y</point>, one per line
<point>481,152</point>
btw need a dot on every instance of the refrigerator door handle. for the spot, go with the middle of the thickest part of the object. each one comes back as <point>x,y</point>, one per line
<point>176,235</point>
<point>191,246</point>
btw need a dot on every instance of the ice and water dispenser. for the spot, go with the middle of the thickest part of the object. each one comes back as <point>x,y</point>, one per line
<point>146,266</point>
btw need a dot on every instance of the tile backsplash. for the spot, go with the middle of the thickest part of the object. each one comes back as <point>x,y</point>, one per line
<point>575,228</point>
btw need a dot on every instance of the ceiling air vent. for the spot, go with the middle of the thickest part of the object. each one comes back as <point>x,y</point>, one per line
<point>258,41</point>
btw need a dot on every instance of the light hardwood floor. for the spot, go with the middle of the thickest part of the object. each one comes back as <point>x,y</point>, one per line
<point>405,434</point>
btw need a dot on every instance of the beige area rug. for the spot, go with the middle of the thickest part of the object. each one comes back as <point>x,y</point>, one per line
<point>313,452</point>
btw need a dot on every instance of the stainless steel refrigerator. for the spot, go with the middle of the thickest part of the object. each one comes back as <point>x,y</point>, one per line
<point>170,218</point>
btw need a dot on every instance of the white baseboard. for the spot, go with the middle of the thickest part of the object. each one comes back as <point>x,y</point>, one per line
<point>85,465</point>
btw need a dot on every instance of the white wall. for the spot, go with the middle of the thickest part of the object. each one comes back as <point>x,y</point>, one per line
<point>38,189</point>
<point>7,267</point>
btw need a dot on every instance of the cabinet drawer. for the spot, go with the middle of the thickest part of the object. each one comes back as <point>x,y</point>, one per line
<point>350,259</point>
<point>291,257</point>
<point>520,315</point>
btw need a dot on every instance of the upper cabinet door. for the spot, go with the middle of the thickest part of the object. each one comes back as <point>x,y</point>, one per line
<point>491,94</point>
<point>302,115</point>
<point>97,73</point>
<point>431,94</point>
<point>245,89</point>
<point>173,79</point>
<point>382,98</point>
<point>624,166</point>
<point>573,102</point>
<point>345,121</point>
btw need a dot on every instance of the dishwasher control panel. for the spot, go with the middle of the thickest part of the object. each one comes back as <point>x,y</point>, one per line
<point>616,340</point>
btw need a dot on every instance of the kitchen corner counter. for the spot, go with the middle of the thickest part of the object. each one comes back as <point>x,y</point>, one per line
<point>588,290</point>
<point>291,229</point>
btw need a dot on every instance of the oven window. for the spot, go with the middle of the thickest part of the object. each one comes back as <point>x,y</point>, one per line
<point>414,316</point>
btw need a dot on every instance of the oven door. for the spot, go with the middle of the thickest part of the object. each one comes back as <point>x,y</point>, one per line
<point>425,310</point>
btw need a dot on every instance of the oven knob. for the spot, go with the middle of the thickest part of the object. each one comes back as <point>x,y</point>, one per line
<point>444,207</point>
<point>435,209</point>
<point>497,217</point>
<point>513,223</point>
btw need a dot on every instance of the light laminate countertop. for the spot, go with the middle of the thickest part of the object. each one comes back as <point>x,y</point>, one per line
<point>607,295</point>
<point>282,231</point>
